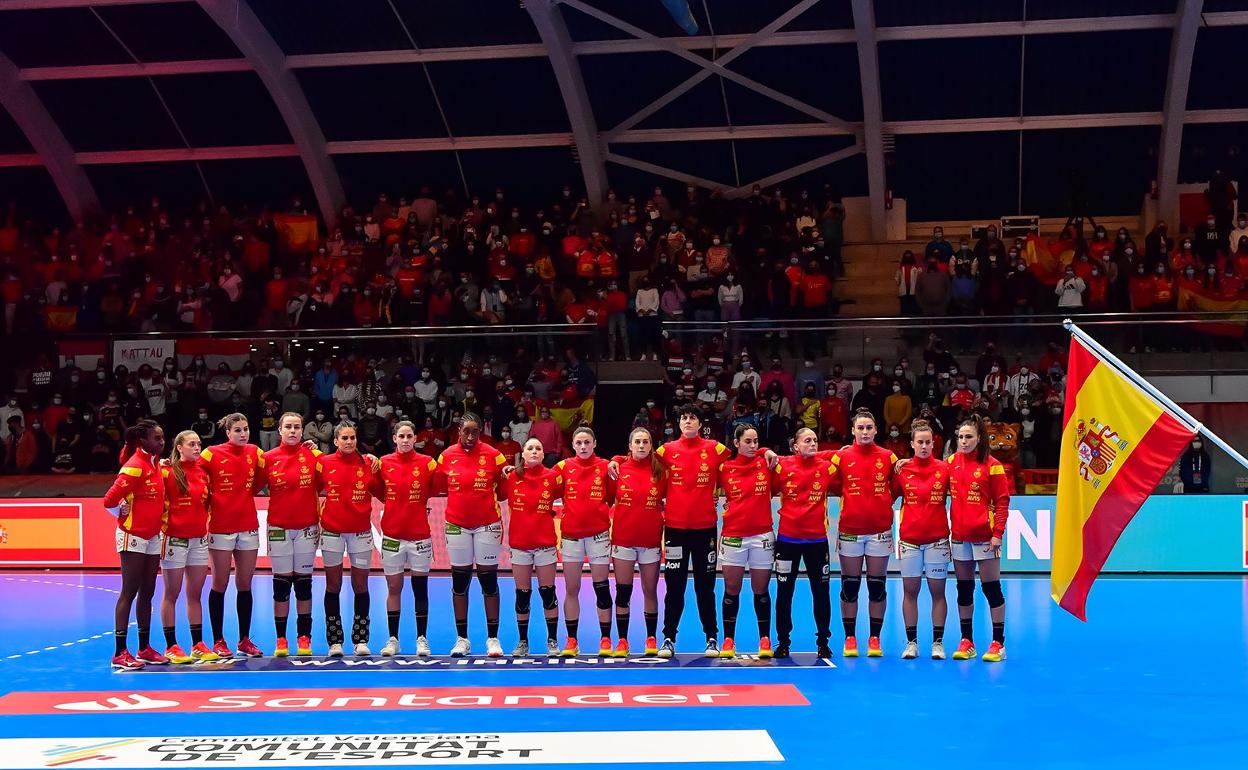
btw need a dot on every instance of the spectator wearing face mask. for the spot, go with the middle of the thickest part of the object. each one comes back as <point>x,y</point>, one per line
<point>1069,291</point>
<point>1019,384</point>
<point>1210,241</point>
<point>933,290</point>
<point>1195,468</point>
<point>995,382</point>
<point>907,279</point>
<point>777,373</point>
<point>941,247</point>
<point>898,408</point>
<point>712,399</point>
<point>8,411</point>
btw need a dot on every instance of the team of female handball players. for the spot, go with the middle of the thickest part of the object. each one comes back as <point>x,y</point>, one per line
<point>193,513</point>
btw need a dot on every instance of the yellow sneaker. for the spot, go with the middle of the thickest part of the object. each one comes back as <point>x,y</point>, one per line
<point>995,653</point>
<point>873,648</point>
<point>729,650</point>
<point>571,649</point>
<point>965,651</point>
<point>605,650</point>
<point>621,649</point>
<point>283,649</point>
<point>203,652</point>
<point>850,650</point>
<point>178,656</point>
<point>764,648</point>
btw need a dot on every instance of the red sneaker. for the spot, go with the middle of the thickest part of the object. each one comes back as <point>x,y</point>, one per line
<point>873,648</point>
<point>850,650</point>
<point>248,650</point>
<point>764,648</point>
<point>126,662</point>
<point>148,655</point>
<point>303,645</point>
<point>729,650</point>
<point>652,647</point>
<point>222,649</point>
<point>283,648</point>
<point>965,651</point>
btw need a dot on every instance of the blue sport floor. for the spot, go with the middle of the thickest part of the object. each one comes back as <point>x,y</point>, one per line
<point>1157,678</point>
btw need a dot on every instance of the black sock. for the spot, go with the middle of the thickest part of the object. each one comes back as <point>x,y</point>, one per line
<point>171,636</point>
<point>119,641</point>
<point>571,625</point>
<point>491,629</point>
<point>912,633</point>
<point>729,607</point>
<point>652,623</point>
<point>968,628</point>
<point>875,625</point>
<point>361,604</point>
<point>216,614</point>
<point>621,625</point>
<point>552,627</point>
<point>522,626</point>
<point>392,622</point>
<point>145,637</point>
<point>303,624</point>
<point>420,598</point>
<point>279,623</point>
<point>849,624</point>
<point>998,632</point>
<point>243,605</point>
<point>604,628</point>
<point>359,629</point>
<point>938,633</point>
<point>461,628</point>
<point>762,611</point>
<point>197,633</point>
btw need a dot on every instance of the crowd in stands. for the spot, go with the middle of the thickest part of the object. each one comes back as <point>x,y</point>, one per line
<point>429,261</point>
<point>1073,273</point>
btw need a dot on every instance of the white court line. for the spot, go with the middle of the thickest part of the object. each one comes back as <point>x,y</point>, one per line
<point>65,644</point>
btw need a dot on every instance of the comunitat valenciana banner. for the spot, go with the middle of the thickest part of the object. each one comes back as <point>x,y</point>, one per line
<point>77,533</point>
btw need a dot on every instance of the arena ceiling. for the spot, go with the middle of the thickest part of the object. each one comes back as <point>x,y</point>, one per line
<point>105,99</point>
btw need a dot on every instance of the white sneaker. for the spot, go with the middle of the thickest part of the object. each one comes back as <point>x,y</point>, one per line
<point>938,650</point>
<point>552,648</point>
<point>911,652</point>
<point>521,650</point>
<point>422,647</point>
<point>391,649</point>
<point>462,647</point>
<point>335,651</point>
<point>712,648</point>
<point>668,649</point>
<point>362,651</point>
<point>493,648</point>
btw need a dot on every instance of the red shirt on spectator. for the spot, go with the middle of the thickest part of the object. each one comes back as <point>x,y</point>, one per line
<point>578,313</point>
<point>407,279</point>
<point>522,245</point>
<point>1097,296</point>
<point>815,290</point>
<point>1141,289</point>
<point>586,264</point>
<point>607,265</point>
<point>1163,293</point>
<point>834,414</point>
<point>276,292</point>
<point>616,301</point>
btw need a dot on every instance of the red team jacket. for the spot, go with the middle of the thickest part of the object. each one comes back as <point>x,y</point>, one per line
<point>346,480</point>
<point>139,483</point>
<point>803,485</point>
<point>980,494</point>
<point>235,474</point>
<point>186,514</point>
<point>588,492</point>
<point>470,480</point>
<point>638,511</point>
<point>747,488</point>
<point>922,486</point>
<point>530,503</point>
<point>291,473</point>
<point>693,474</point>
<point>404,485</point>
<point>866,497</point>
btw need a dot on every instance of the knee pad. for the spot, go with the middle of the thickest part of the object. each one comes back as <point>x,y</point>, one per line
<point>603,593</point>
<point>489,582</point>
<point>524,600</point>
<point>623,595</point>
<point>281,588</point>
<point>461,578</point>
<point>303,588</point>
<point>849,588</point>
<point>992,592</point>
<point>966,593</point>
<point>877,588</point>
<point>549,599</point>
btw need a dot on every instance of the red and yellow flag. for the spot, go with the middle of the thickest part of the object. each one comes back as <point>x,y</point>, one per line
<point>1117,442</point>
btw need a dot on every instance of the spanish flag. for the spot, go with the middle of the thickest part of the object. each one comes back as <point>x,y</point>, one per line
<point>1117,442</point>
<point>40,533</point>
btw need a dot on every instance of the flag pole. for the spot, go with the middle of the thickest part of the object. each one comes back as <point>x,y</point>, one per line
<point>1157,395</point>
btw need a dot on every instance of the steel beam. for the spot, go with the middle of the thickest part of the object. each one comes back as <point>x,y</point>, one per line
<point>872,114</point>
<point>1182,47</point>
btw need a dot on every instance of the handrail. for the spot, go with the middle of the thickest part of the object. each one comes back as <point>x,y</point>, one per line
<point>299,335</point>
<point>884,322</point>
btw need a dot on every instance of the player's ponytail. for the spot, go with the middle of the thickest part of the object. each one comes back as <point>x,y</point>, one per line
<point>134,436</point>
<point>980,424</point>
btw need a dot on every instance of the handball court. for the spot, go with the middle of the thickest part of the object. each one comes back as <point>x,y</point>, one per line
<point>1155,679</point>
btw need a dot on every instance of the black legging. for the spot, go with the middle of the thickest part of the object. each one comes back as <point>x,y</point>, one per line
<point>696,546</point>
<point>789,556</point>
<point>138,580</point>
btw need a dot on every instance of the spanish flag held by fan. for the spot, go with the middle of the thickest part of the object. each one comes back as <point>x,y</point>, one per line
<point>1120,435</point>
